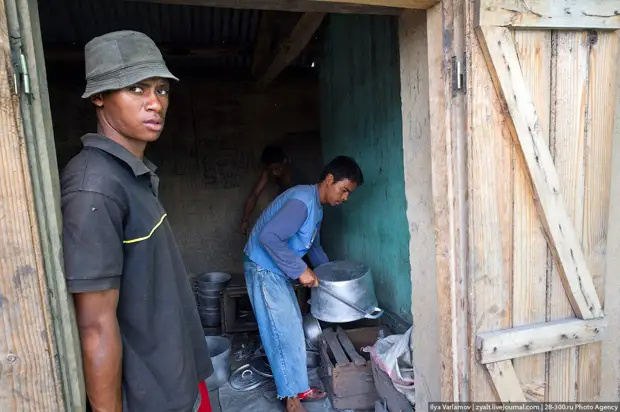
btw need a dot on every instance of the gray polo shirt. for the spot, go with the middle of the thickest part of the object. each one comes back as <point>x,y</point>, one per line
<point>116,235</point>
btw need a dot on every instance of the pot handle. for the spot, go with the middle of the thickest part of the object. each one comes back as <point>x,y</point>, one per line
<point>373,313</point>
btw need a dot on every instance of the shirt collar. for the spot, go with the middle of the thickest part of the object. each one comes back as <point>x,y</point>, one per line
<point>139,167</point>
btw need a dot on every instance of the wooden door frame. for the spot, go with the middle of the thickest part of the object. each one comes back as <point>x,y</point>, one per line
<point>448,153</point>
<point>42,171</point>
<point>48,304</point>
<point>446,50</point>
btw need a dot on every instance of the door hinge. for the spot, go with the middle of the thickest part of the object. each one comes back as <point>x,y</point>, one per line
<point>458,75</point>
<point>21,75</point>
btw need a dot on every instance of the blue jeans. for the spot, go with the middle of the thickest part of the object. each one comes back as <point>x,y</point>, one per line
<point>279,323</point>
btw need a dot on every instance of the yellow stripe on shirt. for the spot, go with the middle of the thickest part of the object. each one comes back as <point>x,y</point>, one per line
<point>140,239</point>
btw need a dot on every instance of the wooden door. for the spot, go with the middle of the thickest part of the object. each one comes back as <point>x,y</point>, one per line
<point>40,363</point>
<point>541,90</point>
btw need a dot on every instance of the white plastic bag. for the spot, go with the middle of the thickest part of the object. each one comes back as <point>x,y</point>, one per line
<point>393,356</point>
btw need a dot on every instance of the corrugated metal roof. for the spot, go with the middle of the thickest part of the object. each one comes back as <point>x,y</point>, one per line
<point>75,22</point>
<point>78,21</point>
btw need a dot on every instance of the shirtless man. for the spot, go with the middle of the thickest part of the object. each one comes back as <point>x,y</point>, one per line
<point>277,170</point>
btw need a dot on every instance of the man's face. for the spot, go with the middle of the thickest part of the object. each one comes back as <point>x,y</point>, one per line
<point>338,192</point>
<point>276,169</point>
<point>137,112</point>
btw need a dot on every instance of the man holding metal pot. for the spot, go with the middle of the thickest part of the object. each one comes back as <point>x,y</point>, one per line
<point>288,230</point>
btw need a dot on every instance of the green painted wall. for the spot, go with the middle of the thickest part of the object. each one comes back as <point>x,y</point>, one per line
<point>361,117</point>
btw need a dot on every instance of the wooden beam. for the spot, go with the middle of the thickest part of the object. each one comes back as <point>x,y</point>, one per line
<point>503,63</point>
<point>418,157</point>
<point>290,47</point>
<point>543,337</point>
<point>299,6</point>
<point>448,154</point>
<point>59,52</point>
<point>262,46</point>
<point>490,211</point>
<point>40,144</point>
<point>403,4</point>
<point>550,14</point>
<point>507,385</point>
<point>610,376</point>
<point>30,373</point>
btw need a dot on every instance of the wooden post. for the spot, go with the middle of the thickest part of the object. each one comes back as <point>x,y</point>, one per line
<point>29,372</point>
<point>445,36</point>
<point>414,83</point>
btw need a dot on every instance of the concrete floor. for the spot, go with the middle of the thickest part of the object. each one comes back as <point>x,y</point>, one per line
<point>261,400</point>
<point>214,397</point>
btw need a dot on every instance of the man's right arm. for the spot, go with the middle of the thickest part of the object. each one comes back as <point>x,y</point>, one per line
<point>101,348</point>
<point>250,203</point>
<point>274,238</point>
<point>93,252</point>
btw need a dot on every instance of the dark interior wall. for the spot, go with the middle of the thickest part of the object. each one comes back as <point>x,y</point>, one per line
<point>207,156</point>
<point>361,117</point>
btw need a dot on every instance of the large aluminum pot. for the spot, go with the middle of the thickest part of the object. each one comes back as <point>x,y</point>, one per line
<point>345,294</point>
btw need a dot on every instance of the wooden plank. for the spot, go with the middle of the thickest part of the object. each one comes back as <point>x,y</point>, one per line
<point>455,23</point>
<point>357,359</point>
<point>39,138</point>
<point>603,52</point>
<point>507,385</point>
<point>525,127</point>
<point>299,6</point>
<point>491,212</point>
<point>550,14</point>
<point>339,355</point>
<point>28,371</point>
<point>543,337</point>
<point>449,213</point>
<point>262,47</point>
<point>414,92</point>
<point>403,4</point>
<point>531,264</point>
<point>290,47</point>
<point>567,134</point>
<point>610,380</point>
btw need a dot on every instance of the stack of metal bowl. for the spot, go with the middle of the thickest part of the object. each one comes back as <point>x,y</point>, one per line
<point>208,287</point>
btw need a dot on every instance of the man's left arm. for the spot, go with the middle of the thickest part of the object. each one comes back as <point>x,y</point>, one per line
<point>316,254</point>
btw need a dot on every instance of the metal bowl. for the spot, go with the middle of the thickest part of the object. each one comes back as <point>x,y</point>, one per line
<point>313,359</point>
<point>219,350</point>
<point>312,330</point>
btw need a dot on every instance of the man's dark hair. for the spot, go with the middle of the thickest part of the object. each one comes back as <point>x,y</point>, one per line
<point>344,167</point>
<point>272,154</point>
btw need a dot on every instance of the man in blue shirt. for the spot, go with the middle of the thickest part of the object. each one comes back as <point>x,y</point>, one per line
<point>287,231</point>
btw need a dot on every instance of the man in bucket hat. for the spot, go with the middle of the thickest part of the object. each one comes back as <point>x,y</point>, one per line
<point>143,346</point>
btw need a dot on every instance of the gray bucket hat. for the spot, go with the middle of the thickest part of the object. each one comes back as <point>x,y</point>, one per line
<point>120,59</point>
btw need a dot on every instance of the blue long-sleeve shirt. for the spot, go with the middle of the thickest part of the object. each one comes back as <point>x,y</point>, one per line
<point>276,233</point>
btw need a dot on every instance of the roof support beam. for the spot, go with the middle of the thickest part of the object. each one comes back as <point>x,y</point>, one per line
<point>303,6</point>
<point>291,47</point>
